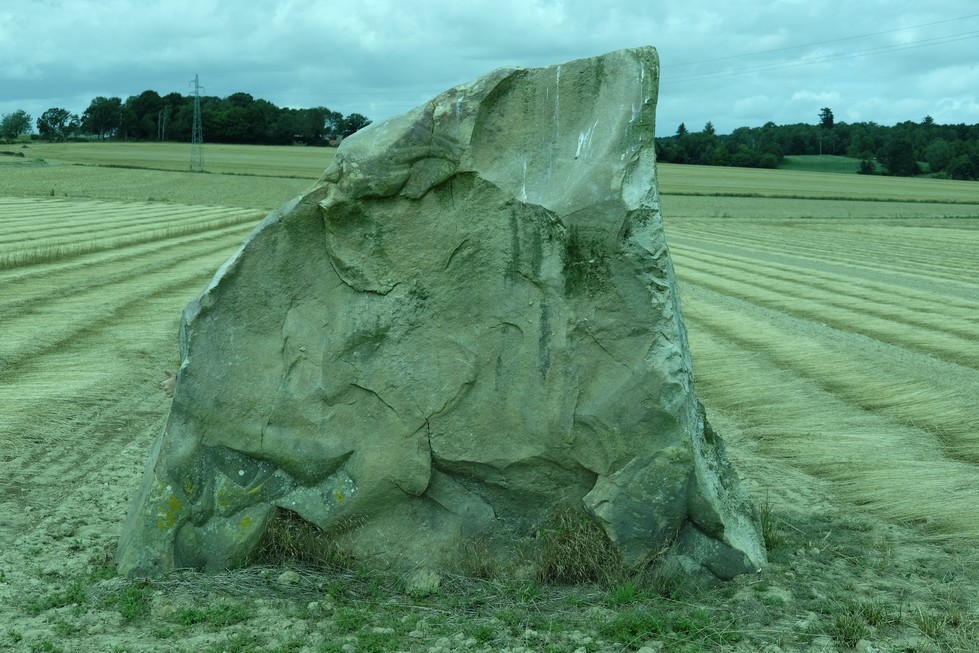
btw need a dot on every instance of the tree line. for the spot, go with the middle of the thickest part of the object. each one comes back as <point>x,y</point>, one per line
<point>149,116</point>
<point>906,149</point>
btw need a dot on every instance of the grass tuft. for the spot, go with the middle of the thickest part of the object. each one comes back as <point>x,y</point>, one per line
<point>291,539</point>
<point>771,530</point>
<point>574,549</point>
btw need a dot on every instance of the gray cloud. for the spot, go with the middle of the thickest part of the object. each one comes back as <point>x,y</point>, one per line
<point>734,64</point>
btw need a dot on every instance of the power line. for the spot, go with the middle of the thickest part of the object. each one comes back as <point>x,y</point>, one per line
<point>940,40</point>
<point>817,43</point>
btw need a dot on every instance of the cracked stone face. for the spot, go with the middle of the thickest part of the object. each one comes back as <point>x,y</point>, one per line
<point>469,323</point>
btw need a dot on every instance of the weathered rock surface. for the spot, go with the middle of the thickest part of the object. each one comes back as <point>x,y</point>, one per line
<point>469,323</point>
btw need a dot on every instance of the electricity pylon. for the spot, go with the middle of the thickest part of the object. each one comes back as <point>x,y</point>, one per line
<point>197,132</point>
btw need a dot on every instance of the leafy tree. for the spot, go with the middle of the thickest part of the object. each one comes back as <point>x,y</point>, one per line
<point>353,122</point>
<point>243,100</point>
<point>745,157</point>
<point>863,142</point>
<point>897,155</point>
<point>962,167</point>
<point>141,116</point>
<point>103,116</point>
<point>938,154</point>
<point>318,124</point>
<point>14,124</point>
<point>57,124</point>
<point>826,118</point>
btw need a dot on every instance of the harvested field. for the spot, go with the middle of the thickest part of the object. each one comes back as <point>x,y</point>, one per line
<point>833,322</point>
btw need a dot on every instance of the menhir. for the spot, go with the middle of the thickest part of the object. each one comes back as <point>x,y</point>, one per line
<point>469,325</point>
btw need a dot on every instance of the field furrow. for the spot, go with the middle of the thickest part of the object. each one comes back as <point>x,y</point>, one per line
<point>101,226</point>
<point>28,289</point>
<point>99,358</point>
<point>817,408</point>
<point>78,312</point>
<point>847,314</point>
<point>104,227</point>
<point>948,254</point>
<point>940,314</point>
<point>912,390</point>
<point>895,289</point>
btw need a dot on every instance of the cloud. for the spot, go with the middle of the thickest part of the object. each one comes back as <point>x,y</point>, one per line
<point>731,63</point>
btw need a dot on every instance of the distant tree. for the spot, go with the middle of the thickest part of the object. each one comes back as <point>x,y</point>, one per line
<point>863,143</point>
<point>352,123</point>
<point>243,100</point>
<point>769,160</point>
<point>681,130</point>
<point>745,157</point>
<point>826,118</point>
<point>897,155</point>
<point>867,167</point>
<point>173,103</point>
<point>962,167</point>
<point>140,118</point>
<point>928,120</point>
<point>938,154</point>
<point>333,124</point>
<point>14,124</point>
<point>103,116</point>
<point>317,124</point>
<point>709,128</point>
<point>262,116</point>
<point>57,124</point>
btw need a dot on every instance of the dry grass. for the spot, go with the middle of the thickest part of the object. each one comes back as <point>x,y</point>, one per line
<point>896,470</point>
<point>42,231</point>
<point>722,181</point>
<point>573,550</point>
<point>292,540</point>
<point>261,160</point>
<point>834,354</point>
<point>946,331</point>
<point>138,185</point>
<point>86,298</point>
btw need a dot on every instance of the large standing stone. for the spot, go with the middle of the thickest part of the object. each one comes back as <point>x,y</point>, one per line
<point>469,323</point>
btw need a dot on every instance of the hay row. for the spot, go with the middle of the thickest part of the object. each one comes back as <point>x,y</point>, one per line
<point>48,326</point>
<point>132,185</point>
<point>60,251</point>
<point>736,210</point>
<point>900,472</point>
<point>946,314</point>
<point>916,396</point>
<point>946,255</point>
<point>815,251</point>
<point>677,178</point>
<point>99,220</point>
<point>823,307</point>
<point>895,292</point>
<point>55,282</point>
<point>59,275</point>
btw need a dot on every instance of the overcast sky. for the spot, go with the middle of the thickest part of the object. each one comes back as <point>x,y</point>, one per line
<point>734,63</point>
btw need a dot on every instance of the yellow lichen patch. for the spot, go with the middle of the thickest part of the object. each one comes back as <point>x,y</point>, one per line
<point>246,521</point>
<point>168,517</point>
